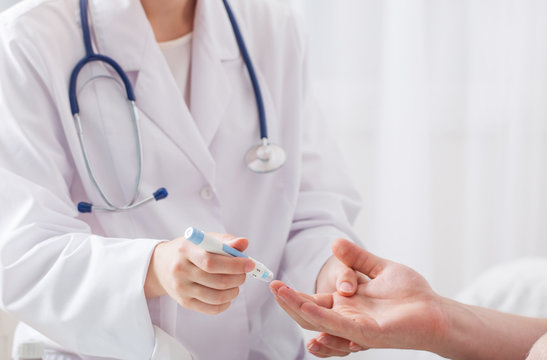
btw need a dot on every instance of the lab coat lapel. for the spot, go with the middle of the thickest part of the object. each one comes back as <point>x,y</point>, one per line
<point>213,45</point>
<point>159,98</point>
<point>124,33</point>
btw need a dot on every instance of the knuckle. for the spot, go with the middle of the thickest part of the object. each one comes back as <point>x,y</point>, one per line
<point>228,295</point>
<point>178,286</point>
<point>236,292</point>
<point>231,281</point>
<point>220,297</point>
<point>205,295</point>
<point>182,246</point>
<point>240,279</point>
<point>349,273</point>
<point>206,263</point>
<point>176,268</point>
<point>194,271</point>
<point>183,301</point>
<point>222,307</point>
<point>223,283</point>
<point>215,309</point>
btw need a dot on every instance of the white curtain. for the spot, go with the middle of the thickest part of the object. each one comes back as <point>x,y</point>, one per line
<point>4,4</point>
<point>7,322</point>
<point>441,109</point>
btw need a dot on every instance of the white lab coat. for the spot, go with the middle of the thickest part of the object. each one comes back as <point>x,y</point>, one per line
<point>78,279</point>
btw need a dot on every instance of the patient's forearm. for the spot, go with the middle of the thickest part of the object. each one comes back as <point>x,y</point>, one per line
<point>479,333</point>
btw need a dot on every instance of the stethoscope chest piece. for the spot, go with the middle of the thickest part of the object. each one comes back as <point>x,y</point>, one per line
<point>265,157</point>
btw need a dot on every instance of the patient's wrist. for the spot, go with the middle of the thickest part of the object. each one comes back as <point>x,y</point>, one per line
<point>455,337</point>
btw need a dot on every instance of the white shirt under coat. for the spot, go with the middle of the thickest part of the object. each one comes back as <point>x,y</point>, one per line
<point>78,279</point>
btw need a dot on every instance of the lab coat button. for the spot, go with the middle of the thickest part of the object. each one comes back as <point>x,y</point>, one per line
<point>206,193</point>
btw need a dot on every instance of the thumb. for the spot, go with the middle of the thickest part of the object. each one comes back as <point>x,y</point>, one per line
<point>346,283</point>
<point>358,258</point>
<point>237,243</point>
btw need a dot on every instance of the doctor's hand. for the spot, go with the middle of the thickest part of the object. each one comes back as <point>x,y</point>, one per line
<point>194,278</point>
<point>393,307</point>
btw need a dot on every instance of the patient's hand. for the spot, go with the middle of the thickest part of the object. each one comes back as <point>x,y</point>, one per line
<point>393,307</point>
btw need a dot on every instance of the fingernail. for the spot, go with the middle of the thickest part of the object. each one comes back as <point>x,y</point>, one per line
<point>322,339</point>
<point>355,347</point>
<point>313,347</point>
<point>346,286</point>
<point>249,267</point>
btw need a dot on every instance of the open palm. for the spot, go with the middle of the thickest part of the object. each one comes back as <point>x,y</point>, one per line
<point>394,306</point>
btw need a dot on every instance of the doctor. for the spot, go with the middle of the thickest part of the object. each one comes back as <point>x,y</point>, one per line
<point>116,280</point>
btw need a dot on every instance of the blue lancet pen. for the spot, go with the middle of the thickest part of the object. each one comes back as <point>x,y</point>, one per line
<point>213,245</point>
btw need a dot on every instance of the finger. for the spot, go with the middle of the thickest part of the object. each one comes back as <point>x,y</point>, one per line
<point>346,283</point>
<point>338,343</point>
<point>323,351</point>
<point>238,243</point>
<point>212,296</point>
<point>217,264</point>
<point>200,306</point>
<point>324,300</point>
<point>334,342</point>
<point>216,281</point>
<point>356,347</point>
<point>290,301</point>
<point>361,278</point>
<point>297,298</point>
<point>358,258</point>
<point>276,285</point>
<point>287,308</point>
<point>329,321</point>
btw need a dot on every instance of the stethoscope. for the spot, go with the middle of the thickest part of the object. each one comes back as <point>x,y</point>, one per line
<point>261,158</point>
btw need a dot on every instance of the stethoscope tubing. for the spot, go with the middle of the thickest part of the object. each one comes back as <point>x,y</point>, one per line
<point>91,172</point>
<point>89,57</point>
<point>74,107</point>
<point>250,70</point>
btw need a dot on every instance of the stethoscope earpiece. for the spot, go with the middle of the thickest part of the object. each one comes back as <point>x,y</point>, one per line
<point>85,207</point>
<point>161,193</point>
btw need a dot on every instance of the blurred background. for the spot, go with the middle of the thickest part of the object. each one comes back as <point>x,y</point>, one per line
<point>440,108</point>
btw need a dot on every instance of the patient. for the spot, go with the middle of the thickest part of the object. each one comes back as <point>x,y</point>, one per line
<point>394,307</point>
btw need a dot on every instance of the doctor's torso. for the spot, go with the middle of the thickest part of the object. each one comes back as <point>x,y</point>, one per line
<point>196,150</point>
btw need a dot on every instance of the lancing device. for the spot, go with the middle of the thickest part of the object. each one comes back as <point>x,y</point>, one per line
<point>213,245</point>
